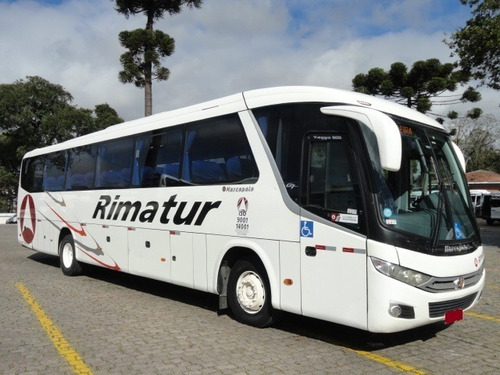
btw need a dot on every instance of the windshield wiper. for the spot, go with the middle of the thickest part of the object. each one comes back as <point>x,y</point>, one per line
<point>437,228</point>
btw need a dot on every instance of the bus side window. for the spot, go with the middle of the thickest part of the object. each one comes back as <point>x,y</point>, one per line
<point>54,174</point>
<point>32,174</point>
<point>217,151</point>
<point>205,152</point>
<point>141,148</point>
<point>161,165</point>
<point>81,167</point>
<point>114,163</point>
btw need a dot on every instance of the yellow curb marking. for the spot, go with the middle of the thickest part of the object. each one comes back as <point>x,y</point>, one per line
<point>63,347</point>
<point>389,362</point>
<point>482,316</point>
<point>79,367</point>
<point>403,367</point>
<point>492,287</point>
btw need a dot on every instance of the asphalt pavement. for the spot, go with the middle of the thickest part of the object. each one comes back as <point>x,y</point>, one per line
<point>106,322</point>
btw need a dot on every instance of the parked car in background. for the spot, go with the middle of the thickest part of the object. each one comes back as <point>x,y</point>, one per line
<point>477,196</point>
<point>491,208</point>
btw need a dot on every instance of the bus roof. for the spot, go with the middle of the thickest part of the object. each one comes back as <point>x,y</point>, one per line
<point>290,94</point>
<point>240,102</point>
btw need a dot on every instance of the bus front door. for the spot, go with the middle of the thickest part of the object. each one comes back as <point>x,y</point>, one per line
<point>333,253</point>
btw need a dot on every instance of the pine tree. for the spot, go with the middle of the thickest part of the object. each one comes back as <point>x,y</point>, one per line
<point>142,62</point>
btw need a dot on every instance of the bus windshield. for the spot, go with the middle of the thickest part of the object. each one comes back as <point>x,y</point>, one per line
<point>428,196</point>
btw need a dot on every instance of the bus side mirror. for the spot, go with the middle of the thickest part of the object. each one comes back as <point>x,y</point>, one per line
<point>385,129</point>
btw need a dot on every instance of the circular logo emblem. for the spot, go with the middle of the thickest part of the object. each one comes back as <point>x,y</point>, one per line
<point>28,214</point>
<point>242,205</point>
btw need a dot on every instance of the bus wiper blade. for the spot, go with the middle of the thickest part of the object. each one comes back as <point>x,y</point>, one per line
<point>437,228</point>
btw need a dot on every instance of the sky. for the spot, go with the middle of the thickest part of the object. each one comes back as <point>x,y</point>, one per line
<point>225,47</point>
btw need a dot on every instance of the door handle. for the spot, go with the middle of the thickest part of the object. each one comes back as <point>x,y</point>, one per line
<point>310,251</point>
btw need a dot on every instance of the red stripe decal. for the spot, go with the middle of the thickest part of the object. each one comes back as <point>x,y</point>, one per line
<point>81,232</point>
<point>116,267</point>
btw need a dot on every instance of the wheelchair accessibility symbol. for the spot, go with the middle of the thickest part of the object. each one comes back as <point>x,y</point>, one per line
<point>306,228</point>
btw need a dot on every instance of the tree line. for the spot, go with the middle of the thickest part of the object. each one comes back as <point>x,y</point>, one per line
<point>430,83</point>
<point>36,113</point>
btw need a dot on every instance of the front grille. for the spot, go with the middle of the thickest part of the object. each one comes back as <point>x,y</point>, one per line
<point>446,284</point>
<point>438,309</point>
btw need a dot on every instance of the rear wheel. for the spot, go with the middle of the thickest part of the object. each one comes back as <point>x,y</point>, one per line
<point>69,264</point>
<point>249,295</point>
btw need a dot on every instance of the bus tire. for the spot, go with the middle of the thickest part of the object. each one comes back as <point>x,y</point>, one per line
<point>249,294</point>
<point>69,265</point>
<point>489,222</point>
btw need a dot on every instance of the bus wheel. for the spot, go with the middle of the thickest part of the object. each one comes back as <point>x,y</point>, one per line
<point>69,264</point>
<point>249,295</point>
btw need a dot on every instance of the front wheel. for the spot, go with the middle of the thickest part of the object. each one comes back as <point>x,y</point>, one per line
<point>249,295</point>
<point>69,264</point>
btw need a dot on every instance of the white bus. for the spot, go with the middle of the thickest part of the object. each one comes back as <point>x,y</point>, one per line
<point>315,201</point>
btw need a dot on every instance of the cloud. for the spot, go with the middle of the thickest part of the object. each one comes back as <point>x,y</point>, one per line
<point>223,48</point>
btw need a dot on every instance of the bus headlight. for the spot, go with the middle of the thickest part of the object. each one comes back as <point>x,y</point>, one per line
<point>406,275</point>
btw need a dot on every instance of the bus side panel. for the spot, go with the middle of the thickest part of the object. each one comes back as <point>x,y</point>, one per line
<point>102,245</point>
<point>42,239</point>
<point>333,267</point>
<point>182,258</point>
<point>38,227</point>
<point>200,279</point>
<point>49,240</point>
<point>290,277</point>
<point>149,253</point>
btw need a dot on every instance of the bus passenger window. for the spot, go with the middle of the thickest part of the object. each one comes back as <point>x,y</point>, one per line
<point>81,168</point>
<point>114,164</point>
<point>162,161</point>
<point>53,179</point>
<point>216,152</point>
<point>32,174</point>
<point>141,148</point>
